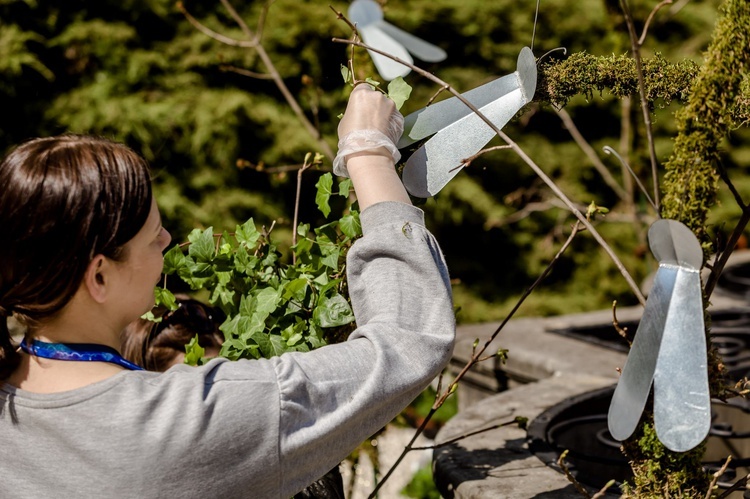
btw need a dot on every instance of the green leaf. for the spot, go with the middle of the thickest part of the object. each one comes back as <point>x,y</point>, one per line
<point>193,352</point>
<point>333,311</point>
<point>164,297</point>
<point>201,245</point>
<point>345,186</point>
<point>399,91</point>
<point>267,300</point>
<point>346,74</point>
<point>374,83</point>
<point>350,225</point>
<point>247,234</point>
<point>295,289</point>
<point>324,186</point>
<point>174,260</point>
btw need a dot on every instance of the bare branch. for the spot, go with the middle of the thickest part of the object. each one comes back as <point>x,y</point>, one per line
<point>569,475</point>
<point>650,18</point>
<point>603,490</point>
<point>211,33</point>
<point>635,47</point>
<point>518,420</point>
<point>716,476</point>
<point>240,22</point>
<point>273,74</point>
<point>467,162</point>
<point>625,165</point>
<point>307,164</point>
<point>591,154</point>
<point>245,72</point>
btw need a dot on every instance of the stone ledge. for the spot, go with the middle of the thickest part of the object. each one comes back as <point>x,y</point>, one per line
<point>498,463</point>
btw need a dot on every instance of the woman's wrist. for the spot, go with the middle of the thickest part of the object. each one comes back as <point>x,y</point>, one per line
<point>375,179</point>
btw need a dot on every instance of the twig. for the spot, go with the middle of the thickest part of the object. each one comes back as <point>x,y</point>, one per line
<point>520,420</point>
<point>721,261</point>
<point>307,164</point>
<point>432,99</point>
<point>591,154</point>
<point>603,490</point>
<point>735,486</point>
<point>716,476</point>
<point>648,21</point>
<point>526,159</point>
<point>245,72</point>
<point>465,163</point>
<point>622,331</point>
<point>569,475</point>
<point>644,103</point>
<point>625,165</point>
<point>254,43</point>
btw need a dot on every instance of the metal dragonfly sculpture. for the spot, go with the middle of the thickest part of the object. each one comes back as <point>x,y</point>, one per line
<point>669,348</point>
<point>367,15</point>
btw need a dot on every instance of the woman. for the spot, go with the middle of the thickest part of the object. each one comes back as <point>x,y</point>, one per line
<point>82,255</point>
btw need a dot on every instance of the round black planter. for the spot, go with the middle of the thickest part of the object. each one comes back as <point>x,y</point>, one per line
<point>579,425</point>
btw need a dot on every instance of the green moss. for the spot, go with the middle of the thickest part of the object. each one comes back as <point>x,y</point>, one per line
<point>585,74</point>
<point>660,473</point>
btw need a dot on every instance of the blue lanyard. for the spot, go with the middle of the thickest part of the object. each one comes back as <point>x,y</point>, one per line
<point>77,351</point>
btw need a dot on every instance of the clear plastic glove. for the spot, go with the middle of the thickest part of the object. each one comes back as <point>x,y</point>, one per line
<point>371,123</point>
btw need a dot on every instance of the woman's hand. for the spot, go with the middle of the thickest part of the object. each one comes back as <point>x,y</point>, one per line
<point>368,134</point>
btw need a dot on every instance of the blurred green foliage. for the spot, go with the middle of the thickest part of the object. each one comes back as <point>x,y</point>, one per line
<point>139,72</point>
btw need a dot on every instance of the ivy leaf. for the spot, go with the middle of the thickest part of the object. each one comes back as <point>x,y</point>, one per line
<point>295,289</point>
<point>201,245</point>
<point>324,186</point>
<point>193,352</point>
<point>333,311</point>
<point>399,91</point>
<point>345,186</point>
<point>174,260</point>
<point>346,74</point>
<point>164,297</point>
<point>373,83</point>
<point>247,234</point>
<point>267,300</point>
<point>350,225</point>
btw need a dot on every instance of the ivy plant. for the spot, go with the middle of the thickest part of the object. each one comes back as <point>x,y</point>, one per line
<point>273,304</point>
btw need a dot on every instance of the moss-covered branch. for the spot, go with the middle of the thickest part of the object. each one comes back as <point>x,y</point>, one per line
<point>691,180</point>
<point>585,74</point>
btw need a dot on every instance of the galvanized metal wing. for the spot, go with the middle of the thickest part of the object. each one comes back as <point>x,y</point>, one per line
<point>381,35</point>
<point>682,401</point>
<point>669,348</point>
<point>634,385</point>
<point>368,16</point>
<point>458,132</point>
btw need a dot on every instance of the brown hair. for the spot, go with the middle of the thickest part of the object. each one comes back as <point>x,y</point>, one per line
<point>64,200</point>
<point>155,345</point>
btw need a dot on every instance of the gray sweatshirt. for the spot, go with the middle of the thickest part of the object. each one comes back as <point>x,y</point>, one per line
<point>250,429</point>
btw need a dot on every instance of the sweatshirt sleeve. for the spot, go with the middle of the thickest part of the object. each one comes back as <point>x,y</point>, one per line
<point>333,398</point>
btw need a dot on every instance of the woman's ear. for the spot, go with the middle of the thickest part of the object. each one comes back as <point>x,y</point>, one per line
<point>96,278</point>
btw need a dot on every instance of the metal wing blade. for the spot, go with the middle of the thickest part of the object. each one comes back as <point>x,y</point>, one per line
<point>682,403</point>
<point>634,385</point>
<point>387,68</point>
<point>434,164</point>
<point>431,119</point>
<point>418,47</point>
